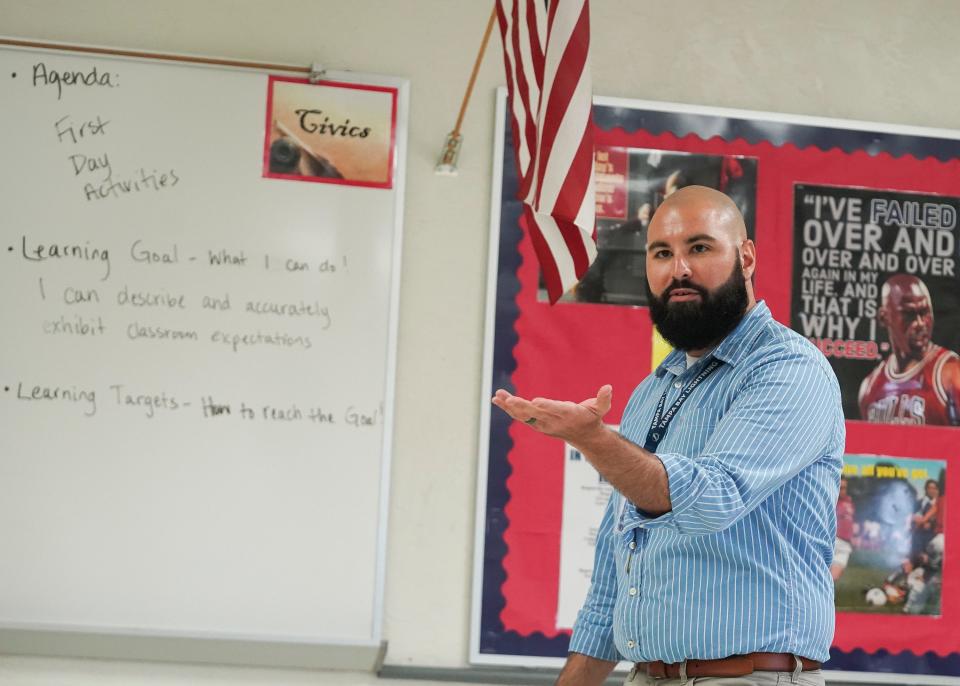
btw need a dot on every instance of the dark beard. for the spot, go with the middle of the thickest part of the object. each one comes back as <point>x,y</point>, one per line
<point>697,325</point>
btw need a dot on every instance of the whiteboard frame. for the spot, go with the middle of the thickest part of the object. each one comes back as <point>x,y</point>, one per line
<point>126,643</point>
<point>486,388</point>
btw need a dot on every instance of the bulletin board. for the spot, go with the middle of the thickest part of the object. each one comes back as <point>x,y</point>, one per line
<point>837,209</point>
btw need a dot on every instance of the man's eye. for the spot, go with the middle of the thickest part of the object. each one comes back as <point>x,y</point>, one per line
<point>699,247</point>
<point>661,253</point>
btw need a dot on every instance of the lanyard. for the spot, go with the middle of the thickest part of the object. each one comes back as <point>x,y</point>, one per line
<point>661,419</point>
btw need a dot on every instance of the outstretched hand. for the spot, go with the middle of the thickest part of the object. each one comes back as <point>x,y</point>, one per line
<point>561,418</point>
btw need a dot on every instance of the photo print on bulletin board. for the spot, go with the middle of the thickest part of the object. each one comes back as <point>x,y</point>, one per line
<point>876,288</point>
<point>890,548</point>
<point>631,183</point>
<point>330,132</point>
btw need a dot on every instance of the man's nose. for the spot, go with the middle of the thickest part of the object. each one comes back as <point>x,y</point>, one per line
<point>681,268</point>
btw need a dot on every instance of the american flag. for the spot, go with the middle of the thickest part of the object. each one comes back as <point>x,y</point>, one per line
<point>546,54</point>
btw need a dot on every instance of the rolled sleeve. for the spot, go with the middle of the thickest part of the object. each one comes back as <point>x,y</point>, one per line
<point>775,427</point>
<point>593,629</point>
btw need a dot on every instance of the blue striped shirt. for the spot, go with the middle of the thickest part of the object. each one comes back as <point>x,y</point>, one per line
<point>741,562</point>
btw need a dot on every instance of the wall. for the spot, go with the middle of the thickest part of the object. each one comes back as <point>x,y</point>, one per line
<point>879,60</point>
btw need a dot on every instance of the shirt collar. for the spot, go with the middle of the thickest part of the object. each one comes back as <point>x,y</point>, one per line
<point>732,349</point>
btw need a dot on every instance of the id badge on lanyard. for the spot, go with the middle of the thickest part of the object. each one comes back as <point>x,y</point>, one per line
<point>661,420</point>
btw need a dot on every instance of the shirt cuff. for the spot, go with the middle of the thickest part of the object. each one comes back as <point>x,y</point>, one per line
<point>593,640</point>
<point>678,474</point>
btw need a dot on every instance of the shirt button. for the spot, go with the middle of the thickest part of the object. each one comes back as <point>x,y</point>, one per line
<point>633,591</point>
<point>633,545</point>
<point>631,644</point>
<point>677,384</point>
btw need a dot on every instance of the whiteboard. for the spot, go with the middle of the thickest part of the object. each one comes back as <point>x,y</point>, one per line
<point>197,367</point>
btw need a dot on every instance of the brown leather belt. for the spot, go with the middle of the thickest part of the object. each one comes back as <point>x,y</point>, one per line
<point>735,665</point>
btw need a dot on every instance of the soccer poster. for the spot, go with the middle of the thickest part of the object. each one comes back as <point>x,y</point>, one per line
<point>837,213</point>
<point>890,548</point>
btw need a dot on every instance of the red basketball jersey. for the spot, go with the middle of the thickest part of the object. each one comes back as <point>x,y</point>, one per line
<point>916,396</point>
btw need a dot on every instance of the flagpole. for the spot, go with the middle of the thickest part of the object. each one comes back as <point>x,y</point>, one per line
<point>451,149</point>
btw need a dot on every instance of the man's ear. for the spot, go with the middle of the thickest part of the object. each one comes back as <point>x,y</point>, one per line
<point>883,317</point>
<point>748,258</point>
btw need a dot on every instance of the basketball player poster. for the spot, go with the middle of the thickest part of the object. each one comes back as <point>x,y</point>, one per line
<point>876,289</point>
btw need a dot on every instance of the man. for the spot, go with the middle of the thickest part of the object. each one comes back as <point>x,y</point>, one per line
<point>919,382</point>
<point>934,551</point>
<point>920,574</point>
<point>923,523</point>
<point>713,556</point>
<point>846,529</point>
<point>929,602</point>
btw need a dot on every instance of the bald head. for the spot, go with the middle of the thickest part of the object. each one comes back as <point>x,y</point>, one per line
<point>708,205</point>
<point>906,311</point>
<point>903,286</point>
